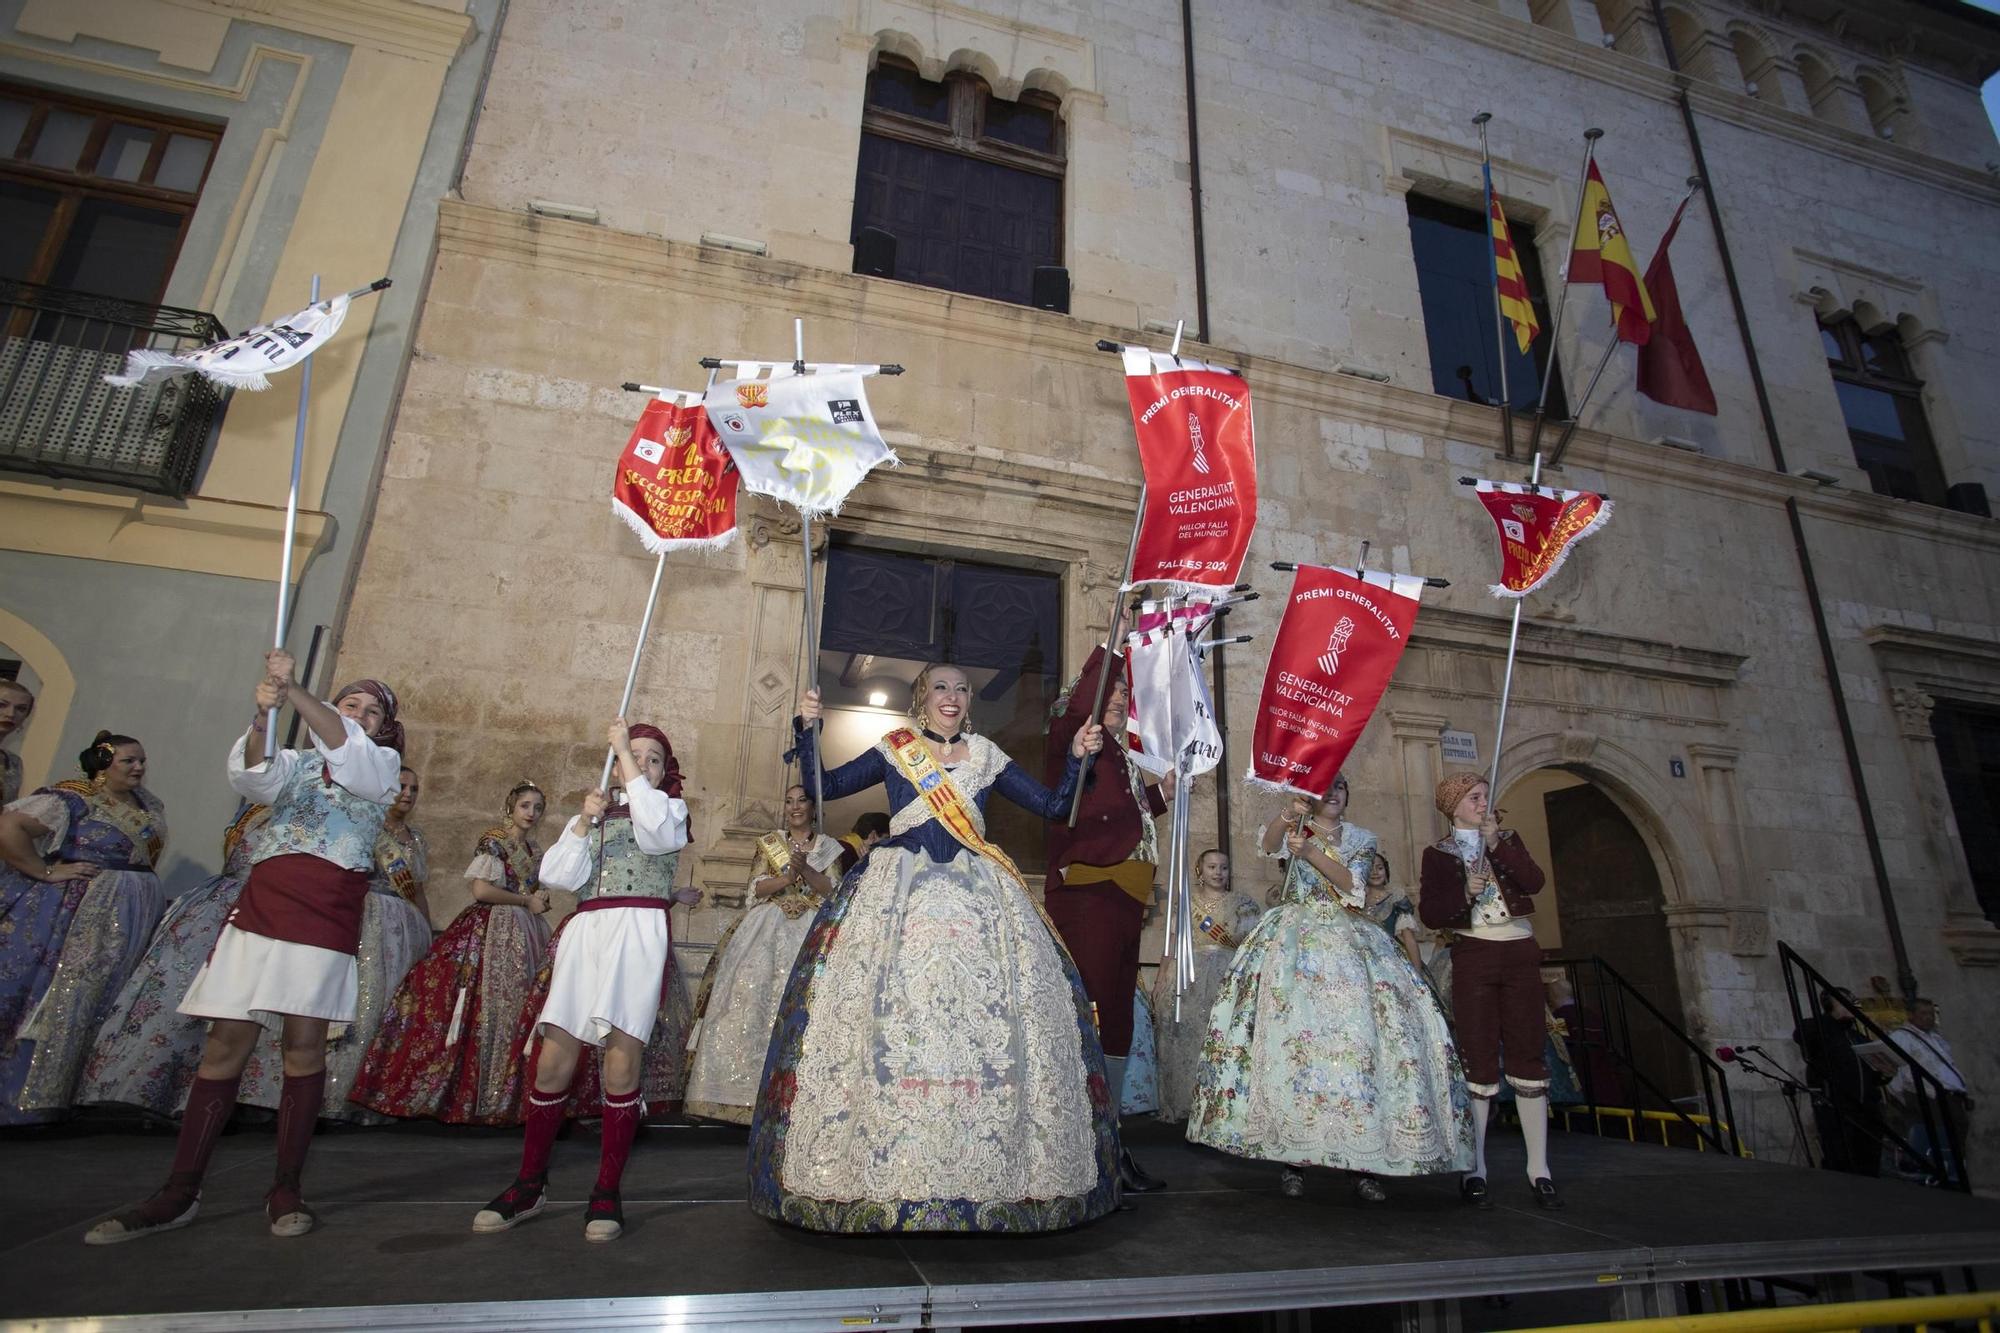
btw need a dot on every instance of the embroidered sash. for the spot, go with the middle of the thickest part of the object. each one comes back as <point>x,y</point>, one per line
<point>921,770</point>
<point>776,851</point>
<point>1218,932</point>
<point>394,863</point>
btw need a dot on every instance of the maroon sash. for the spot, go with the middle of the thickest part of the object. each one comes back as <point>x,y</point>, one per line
<point>303,899</point>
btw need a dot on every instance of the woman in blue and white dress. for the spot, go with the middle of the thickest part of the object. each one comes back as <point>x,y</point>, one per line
<point>934,1065</point>
<point>1325,1047</point>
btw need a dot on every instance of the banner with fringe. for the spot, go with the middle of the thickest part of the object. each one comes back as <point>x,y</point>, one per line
<point>1170,715</point>
<point>1341,635</point>
<point>244,361</point>
<point>807,440</point>
<point>676,485</point>
<point>1537,526</point>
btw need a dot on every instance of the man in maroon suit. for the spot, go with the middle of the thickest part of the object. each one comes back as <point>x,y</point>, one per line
<point>1100,873</point>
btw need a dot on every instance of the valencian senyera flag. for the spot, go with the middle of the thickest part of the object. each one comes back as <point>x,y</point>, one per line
<point>1199,453</point>
<point>1508,279</point>
<point>1602,254</point>
<point>676,485</point>
<point>1170,721</point>
<point>244,361</point>
<point>807,440</point>
<point>1537,527</point>
<point>1342,633</point>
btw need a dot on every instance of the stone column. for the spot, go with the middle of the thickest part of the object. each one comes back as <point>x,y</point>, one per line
<point>1420,744</point>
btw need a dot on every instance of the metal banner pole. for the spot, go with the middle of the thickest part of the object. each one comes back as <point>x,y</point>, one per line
<point>632,672</point>
<point>1499,319</point>
<point>1590,138</point>
<point>1507,680</point>
<point>291,527</point>
<point>1110,644</point>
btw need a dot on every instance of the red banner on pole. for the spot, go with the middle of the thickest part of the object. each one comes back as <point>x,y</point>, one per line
<point>1199,452</point>
<point>1537,526</point>
<point>1338,643</point>
<point>676,484</point>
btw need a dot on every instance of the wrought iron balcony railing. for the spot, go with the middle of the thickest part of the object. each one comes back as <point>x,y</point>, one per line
<point>59,418</point>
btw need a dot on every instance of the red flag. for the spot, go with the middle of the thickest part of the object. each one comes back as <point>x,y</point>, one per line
<point>676,484</point>
<point>1537,527</point>
<point>1670,369</point>
<point>1199,452</point>
<point>1338,643</point>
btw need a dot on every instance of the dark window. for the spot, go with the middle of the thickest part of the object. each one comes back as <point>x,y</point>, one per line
<point>1968,742</point>
<point>970,186</point>
<point>95,198</point>
<point>889,614</point>
<point>1883,404</point>
<point>1455,283</point>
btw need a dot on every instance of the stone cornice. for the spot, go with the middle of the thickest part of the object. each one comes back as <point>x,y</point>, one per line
<point>928,314</point>
<point>400,27</point>
<point>207,536</point>
<point>1489,27</point>
<point>1625,655</point>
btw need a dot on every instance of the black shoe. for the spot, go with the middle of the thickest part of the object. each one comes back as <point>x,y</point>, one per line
<point>1135,1180</point>
<point>517,1203</point>
<point>1369,1190</point>
<point>1473,1190</point>
<point>1292,1184</point>
<point>1545,1193</point>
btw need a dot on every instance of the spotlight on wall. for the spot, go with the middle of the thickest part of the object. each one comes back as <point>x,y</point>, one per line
<point>716,240</point>
<point>1361,372</point>
<point>549,208</point>
<point>1887,131</point>
<point>878,698</point>
<point>1610,40</point>
<point>1750,86</point>
<point>1820,478</point>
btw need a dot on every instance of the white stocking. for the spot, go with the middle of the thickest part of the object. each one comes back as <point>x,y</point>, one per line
<point>1535,1132</point>
<point>1482,1107</point>
<point>1114,1078</point>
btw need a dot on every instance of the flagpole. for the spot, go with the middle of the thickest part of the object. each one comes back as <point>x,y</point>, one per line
<point>1507,679</point>
<point>1110,644</point>
<point>1493,270</point>
<point>1576,416</point>
<point>1590,138</point>
<point>632,671</point>
<point>291,526</point>
<point>812,628</point>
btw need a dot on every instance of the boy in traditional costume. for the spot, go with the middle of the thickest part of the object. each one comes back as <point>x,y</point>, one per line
<point>610,966</point>
<point>286,955</point>
<point>1478,882</point>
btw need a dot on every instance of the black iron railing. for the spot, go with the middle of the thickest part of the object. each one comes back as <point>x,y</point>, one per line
<point>1861,1123</point>
<point>59,418</point>
<point>1609,1008</point>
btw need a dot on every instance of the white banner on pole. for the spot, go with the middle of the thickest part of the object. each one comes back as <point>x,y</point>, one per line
<point>807,440</point>
<point>242,362</point>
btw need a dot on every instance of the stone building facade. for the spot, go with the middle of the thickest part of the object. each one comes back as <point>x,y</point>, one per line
<point>142,603</point>
<point>647,186</point>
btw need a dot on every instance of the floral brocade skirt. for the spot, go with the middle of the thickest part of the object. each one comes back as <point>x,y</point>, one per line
<point>73,979</point>
<point>1179,1044</point>
<point>735,1008</point>
<point>934,1066</point>
<point>147,1051</point>
<point>447,1047</point>
<point>1325,1047</point>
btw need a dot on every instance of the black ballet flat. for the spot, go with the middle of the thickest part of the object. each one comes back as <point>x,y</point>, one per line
<point>1473,1190</point>
<point>1545,1192</point>
<point>1134,1177</point>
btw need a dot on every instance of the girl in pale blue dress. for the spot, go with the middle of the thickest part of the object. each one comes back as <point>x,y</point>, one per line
<point>1325,1047</point>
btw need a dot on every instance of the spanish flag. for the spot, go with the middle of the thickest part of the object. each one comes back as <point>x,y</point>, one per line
<point>1601,254</point>
<point>1508,279</point>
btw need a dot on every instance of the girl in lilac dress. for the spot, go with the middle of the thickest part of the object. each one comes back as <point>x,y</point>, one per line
<point>78,901</point>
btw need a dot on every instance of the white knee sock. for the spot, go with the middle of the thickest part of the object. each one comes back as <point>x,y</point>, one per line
<point>1114,1078</point>
<point>1535,1131</point>
<point>1482,1107</point>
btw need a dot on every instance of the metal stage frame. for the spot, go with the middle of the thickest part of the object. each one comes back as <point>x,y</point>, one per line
<point>395,1252</point>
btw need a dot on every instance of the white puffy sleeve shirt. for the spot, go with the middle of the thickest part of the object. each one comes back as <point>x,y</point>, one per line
<point>659,826</point>
<point>370,771</point>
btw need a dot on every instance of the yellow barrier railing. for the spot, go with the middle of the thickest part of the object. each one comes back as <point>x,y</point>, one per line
<point>1665,1120</point>
<point>1920,1311</point>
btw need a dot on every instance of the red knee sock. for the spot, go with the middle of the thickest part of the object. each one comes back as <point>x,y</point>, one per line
<point>210,1101</point>
<point>544,1120</point>
<point>298,1111</point>
<point>621,1122</point>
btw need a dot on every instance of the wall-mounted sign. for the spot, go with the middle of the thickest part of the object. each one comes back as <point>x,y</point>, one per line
<point>1460,747</point>
<point>1677,767</point>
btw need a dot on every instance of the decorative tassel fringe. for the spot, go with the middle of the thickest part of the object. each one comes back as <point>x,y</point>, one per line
<point>1597,520</point>
<point>139,363</point>
<point>658,545</point>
